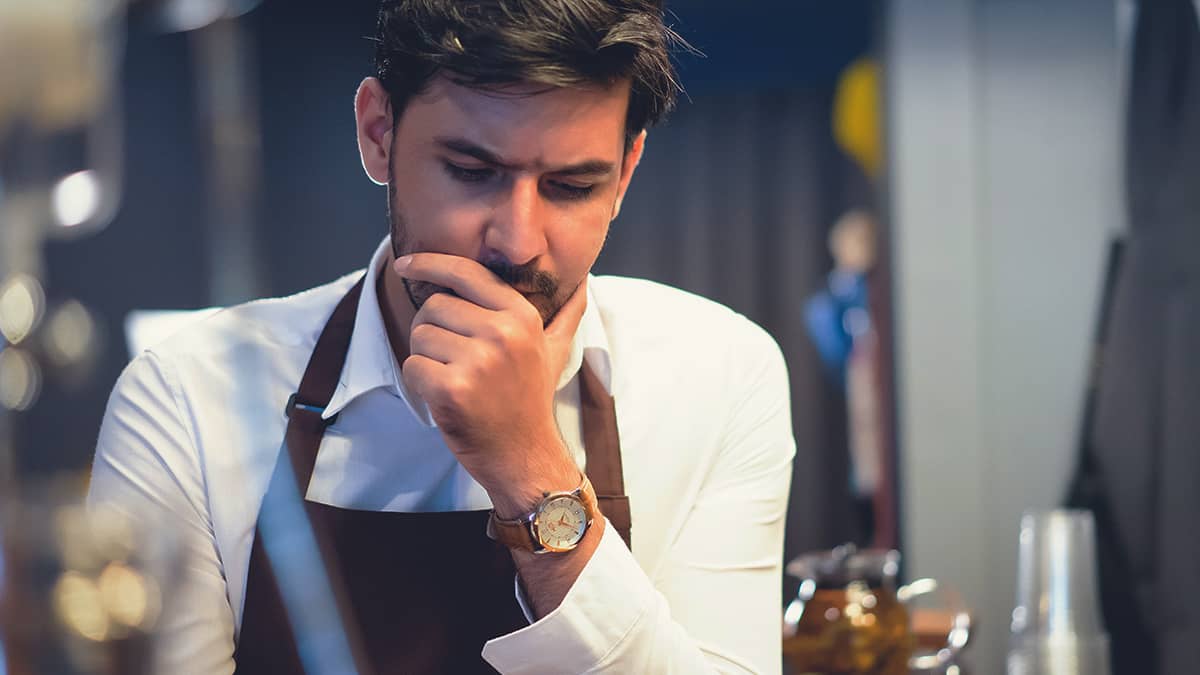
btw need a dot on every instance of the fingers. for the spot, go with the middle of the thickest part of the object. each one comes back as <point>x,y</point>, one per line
<point>419,371</point>
<point>439,344</point>
<point>483,306</point>
<point>464,276</point>
<point>436,384</point>
<point>504,330</point>
<point>454,314</point>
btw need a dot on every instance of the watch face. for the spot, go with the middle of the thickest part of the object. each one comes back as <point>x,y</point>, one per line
<point>561,523</point>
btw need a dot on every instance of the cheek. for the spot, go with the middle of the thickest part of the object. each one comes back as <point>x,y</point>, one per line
<point>576,243</point>
<point>436,218</point>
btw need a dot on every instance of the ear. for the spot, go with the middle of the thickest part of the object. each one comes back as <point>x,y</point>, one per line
<point>628,164</point>
<point>373,115</point>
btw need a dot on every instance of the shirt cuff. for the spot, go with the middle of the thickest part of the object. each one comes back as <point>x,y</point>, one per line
<point>521,599</point>
<point>588,625</point>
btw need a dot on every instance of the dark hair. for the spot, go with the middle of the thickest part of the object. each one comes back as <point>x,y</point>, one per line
<point>557,43</point>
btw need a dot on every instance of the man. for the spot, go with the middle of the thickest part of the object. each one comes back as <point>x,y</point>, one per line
<point>441,408</point>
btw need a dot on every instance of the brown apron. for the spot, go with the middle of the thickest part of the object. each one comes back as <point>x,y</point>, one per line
<point>420,592</point>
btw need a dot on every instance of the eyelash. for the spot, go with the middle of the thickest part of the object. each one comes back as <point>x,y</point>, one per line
<point>573,192</point>
<point>468,175</point>
<point>465,175</point>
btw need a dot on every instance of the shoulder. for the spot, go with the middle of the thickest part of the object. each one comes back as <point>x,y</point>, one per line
<point>689,372</point>
<point>644,311</point>
<point>292,321</point>
<point>207,401</point>
<point>241,358</point>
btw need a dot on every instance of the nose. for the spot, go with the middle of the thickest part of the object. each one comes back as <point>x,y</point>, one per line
<point>516,230</point>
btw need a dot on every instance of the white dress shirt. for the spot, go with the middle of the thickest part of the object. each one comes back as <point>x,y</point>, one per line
<point>194,426</point>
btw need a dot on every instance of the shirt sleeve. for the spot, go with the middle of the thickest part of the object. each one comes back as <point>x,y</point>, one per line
<point>146,466</point>
<point>714,606</point>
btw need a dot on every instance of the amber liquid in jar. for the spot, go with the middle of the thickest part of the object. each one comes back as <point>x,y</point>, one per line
<point>853,630</point>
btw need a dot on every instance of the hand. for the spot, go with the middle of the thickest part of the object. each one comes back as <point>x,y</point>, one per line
<point>488,371</point>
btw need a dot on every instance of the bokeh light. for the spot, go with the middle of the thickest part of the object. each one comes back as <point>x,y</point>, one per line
<point>76,198</point>
<point>80,606</point>
<point>70,335</point>
<point>130,597</point>
<point>20,379</point>
<point>22,302</point>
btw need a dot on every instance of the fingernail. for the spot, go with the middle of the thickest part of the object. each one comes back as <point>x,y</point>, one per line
<point>401,263</point>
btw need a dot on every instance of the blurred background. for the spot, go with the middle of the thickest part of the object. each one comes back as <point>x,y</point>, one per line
<point>918,198</point>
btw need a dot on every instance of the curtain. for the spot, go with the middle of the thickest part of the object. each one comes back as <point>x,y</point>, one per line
<point>1147,431</point>
<point>733,201</point>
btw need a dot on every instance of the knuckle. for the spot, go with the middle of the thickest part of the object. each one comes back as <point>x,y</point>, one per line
<point>486,360</point>
<point>418,336</point>
<point>413,374</point>
<point>504,332</point>
<point>456,391</point>
<point>433,304</point>
<point>530,314</point>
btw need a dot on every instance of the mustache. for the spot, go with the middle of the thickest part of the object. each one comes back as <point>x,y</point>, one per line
<point>524,278</point>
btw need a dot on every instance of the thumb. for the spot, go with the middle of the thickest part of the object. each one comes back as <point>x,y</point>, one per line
<point>561,330</point>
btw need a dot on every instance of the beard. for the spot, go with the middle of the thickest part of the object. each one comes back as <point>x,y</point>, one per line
<point>541,289</point>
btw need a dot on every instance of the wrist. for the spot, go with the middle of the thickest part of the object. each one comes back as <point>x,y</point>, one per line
<point>517,495</point>
<point>558,523</point>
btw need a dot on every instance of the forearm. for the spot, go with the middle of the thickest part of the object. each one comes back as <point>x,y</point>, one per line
<point>546,578</point>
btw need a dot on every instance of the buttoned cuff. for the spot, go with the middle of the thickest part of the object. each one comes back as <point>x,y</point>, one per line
<point>590,622</point>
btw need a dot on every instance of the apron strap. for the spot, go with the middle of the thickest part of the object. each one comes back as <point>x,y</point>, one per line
<point>305,407</point>
<point>602,445</point>
<point>302,439</point>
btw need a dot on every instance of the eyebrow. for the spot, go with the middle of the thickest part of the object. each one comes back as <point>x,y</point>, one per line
<point>589,167</point>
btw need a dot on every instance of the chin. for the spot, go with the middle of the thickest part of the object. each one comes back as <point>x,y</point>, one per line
<point>545,307</point>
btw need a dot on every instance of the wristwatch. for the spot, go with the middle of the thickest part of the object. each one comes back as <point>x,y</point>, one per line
<point>556,525</point>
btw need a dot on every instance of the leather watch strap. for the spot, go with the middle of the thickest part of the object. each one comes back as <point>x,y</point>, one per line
<point>518,533</point>
<point>512,533</point>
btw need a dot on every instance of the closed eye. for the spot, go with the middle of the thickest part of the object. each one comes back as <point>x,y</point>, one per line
<point>476,175</point>
<point>571,192</point>
<point>467,174</point>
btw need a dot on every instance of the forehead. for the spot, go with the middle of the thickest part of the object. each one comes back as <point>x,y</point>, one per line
<point>522,123</point>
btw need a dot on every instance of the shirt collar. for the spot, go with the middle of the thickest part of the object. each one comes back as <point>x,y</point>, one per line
<point>371,364</point>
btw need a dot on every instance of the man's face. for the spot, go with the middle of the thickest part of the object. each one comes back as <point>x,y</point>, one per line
<point>523,180</point>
